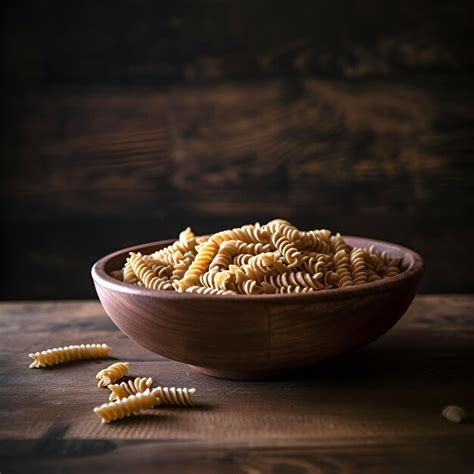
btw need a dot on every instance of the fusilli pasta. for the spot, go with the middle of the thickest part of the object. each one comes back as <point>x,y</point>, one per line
<point>175,396</point>
<point>59,355</point>
<point>129,406</point>
<point>132,387</point>
<point>258,259</point>
<point>146,275</point>
<point>112,373</point>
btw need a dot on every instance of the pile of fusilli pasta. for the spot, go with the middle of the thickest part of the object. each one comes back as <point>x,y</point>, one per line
<point>258,259</point>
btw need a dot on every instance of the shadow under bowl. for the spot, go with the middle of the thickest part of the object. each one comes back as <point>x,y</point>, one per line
<point>252,337</point>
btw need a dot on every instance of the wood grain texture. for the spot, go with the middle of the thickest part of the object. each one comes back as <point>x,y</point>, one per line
<point>123,125</point>
<point>288,145</point>
<point>280,333</point>
<point>209,40</point>
<point>378,410</point>
<point>88,172</point>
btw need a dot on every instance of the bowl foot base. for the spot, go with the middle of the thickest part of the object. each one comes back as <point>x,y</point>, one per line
<point>246,374</point>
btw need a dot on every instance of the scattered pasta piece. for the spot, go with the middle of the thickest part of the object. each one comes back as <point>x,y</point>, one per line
<point>126,398</point>
<point>129,406</point>
<point>112,373</point>
<point>258,259</point>
<point>59,355</point>
<point>132,387</point>
<point>175,396</point>
<point>454,413</point>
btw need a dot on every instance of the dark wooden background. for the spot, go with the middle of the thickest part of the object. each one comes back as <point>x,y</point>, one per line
<point>124,122</point>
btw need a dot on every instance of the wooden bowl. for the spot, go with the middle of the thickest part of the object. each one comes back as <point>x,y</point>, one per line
<point>249,337</point>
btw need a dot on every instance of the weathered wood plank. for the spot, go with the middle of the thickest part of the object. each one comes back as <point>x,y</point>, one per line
<point>205,147</point>
<point>98,170</point>
<point>425,360</point>
<point>208,40</point>
<point>372,411</point>
<point>80,455</point>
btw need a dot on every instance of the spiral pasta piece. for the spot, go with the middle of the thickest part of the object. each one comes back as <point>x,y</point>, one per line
<point>161,271</point>
<point>259,264</point>
<point>287,248</point>
<point>275,224</point>
<point>330,279</point>
<point>254,248</point>
<point>60,355</point>
<point>391,271</point>
<point>129,406</point>
<point>342,265</point>
<point>372,276</point>
<point>146,274</point>
<point>358,267</point>
<point>175,396</point>
<point>209,291</point>
<point>181,266</point>
<point>314,241</point>
<point>293,280</point>
<point>234,248</point>
<point>199,265</point>
<point>293,289</point>
<point>255,270</point>
<point>241,260</point>
<point>128,273</point>
<point>316,262</point>
<point>227,251</point>
<point>111,374</point>
<point>223,280</point>
<point>301,239</point>
<point>337,243</point>
<point>324,235</point>
<point>247,233</point>
<point>249,287</point>
<point>186,242</point>
<point>132,387</point>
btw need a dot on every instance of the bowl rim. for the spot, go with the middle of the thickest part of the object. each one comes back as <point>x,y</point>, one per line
<point>414,271</point>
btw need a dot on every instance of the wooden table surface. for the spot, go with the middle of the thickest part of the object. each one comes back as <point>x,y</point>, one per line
<point>376,410</point>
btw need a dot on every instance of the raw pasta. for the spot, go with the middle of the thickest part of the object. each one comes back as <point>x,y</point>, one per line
<point>59,355</point>
<point>112,373</point>
<point>147,273</point>
<point>129,406</point>
<point>259,259</point>
<point>167,396</point>
<point>132,387</point>
<point>175,396</point>
<point>209,291</point>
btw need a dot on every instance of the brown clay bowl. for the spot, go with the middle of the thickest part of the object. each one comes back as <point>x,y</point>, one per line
<point>262,336</point>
